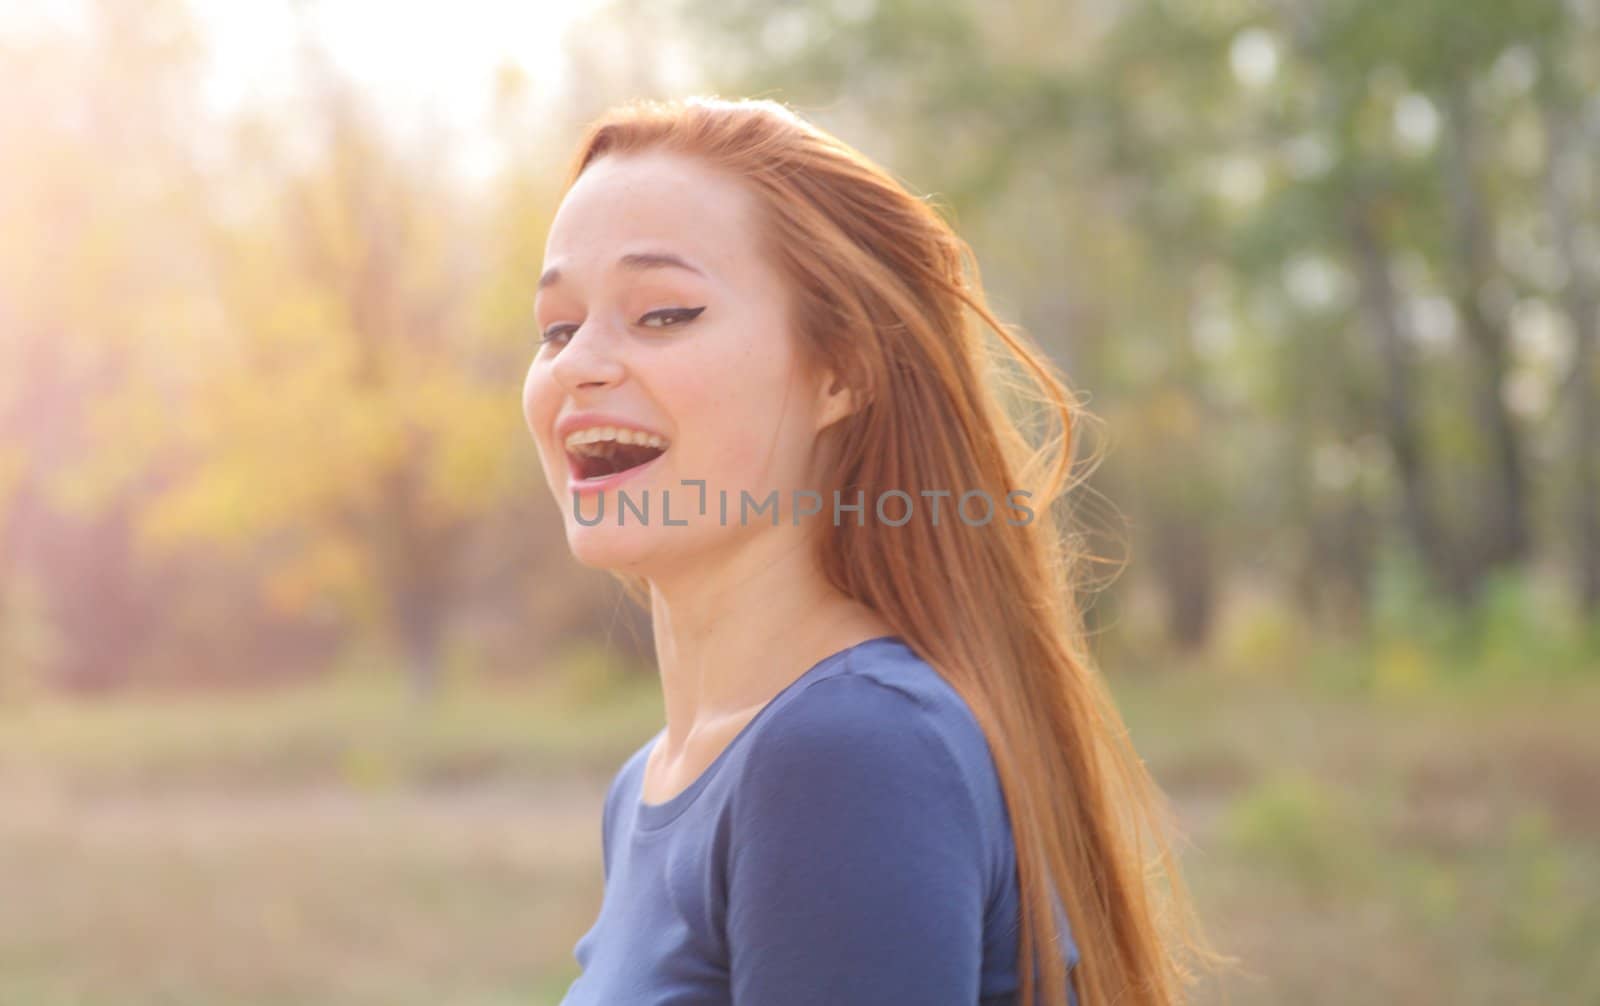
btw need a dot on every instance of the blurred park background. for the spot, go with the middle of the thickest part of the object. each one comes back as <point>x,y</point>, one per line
<point>303,701</point>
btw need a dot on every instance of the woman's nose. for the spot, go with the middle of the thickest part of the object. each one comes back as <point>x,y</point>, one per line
<point>587,360</point>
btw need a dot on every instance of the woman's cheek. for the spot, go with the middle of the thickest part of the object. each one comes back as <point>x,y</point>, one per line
<point>538,405</point>
<point>732,462</point>
<point>538,411</point>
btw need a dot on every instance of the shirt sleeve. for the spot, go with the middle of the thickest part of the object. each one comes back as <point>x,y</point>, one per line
<point>856,868</point>
<point>605,829</point>
<point>608,811</point>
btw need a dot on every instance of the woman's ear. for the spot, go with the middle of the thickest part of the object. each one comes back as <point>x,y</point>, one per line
<point>836,400</point>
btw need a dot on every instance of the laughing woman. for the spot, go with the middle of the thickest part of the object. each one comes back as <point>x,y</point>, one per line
<point>765,397</point>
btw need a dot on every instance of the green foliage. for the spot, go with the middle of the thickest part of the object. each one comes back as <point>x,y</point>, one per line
<point>1542,907</point>
<point>1517,630</point>
<point>1407,609</point>
<point>1307,829</point>
<point>360,728</point>
<point>1523,631</point>
<point>1263,636</point>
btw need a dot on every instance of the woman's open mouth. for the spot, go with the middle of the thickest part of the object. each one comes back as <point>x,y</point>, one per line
<point>601,452</point>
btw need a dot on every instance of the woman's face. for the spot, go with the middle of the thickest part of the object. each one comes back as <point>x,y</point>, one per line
<point>664,326</point>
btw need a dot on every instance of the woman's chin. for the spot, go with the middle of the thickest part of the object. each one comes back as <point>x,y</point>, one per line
<point>611,547</point>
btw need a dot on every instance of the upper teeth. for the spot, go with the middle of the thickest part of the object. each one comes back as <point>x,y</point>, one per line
<point>596,434</point>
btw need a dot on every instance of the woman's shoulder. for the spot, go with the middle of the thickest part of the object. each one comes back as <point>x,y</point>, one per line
<point>884,690</point>
<point>881,710</point>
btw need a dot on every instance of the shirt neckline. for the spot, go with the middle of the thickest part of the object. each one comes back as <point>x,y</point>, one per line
<point>650,816</point>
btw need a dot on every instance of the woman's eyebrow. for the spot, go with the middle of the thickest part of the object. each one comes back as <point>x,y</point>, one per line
<point>639,261</point>
<point>634,262</point>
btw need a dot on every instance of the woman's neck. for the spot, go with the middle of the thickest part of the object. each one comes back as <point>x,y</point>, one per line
<point>730,637</point>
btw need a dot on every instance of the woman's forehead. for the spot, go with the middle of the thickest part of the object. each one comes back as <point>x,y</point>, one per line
<point>657,200</point>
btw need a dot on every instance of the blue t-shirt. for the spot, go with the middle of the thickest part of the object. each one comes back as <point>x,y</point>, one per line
<point>850,846</point>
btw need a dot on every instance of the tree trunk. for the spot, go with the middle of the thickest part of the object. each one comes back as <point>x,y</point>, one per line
<point>1185,557</point>
<point>1583,309</point>
<point>1380,304</point>
<point>1504,536</point>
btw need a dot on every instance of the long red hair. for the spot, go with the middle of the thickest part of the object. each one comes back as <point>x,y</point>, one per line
<point>885,294</point>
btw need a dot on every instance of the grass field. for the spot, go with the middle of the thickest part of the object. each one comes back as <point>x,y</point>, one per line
<point>336,845</point>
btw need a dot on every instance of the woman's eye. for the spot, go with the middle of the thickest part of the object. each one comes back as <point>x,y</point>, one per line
<point>557,335</point>
<point>560,335</point>
<point>670,316</point>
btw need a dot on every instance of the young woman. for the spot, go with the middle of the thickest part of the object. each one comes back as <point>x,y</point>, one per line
<point>764,398</point>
